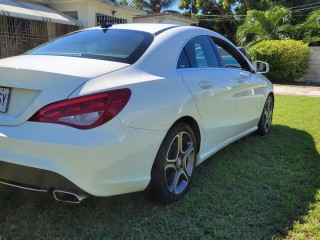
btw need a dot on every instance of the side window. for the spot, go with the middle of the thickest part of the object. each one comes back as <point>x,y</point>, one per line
<point>183,61</point>
<point>231,58</point>
<point>199,51</point>
<point>228,60</point>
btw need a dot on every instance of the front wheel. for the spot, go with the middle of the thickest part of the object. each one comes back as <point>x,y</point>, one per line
<point>266,116</point>
<point>173,169</point>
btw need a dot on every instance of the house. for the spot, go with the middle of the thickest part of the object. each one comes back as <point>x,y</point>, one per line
<point>92,13</point>
<point>28,24</point>
<point>25,24</point>
<point>170,17</point>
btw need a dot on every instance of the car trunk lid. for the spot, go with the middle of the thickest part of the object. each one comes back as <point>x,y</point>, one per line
<point>27,83</point>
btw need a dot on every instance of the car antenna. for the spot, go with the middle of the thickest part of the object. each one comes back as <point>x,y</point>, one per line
<point>105,24</point>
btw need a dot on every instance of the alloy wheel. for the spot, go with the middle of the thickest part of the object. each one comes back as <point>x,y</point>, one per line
<point>267,114</point>
<point>179,164</point>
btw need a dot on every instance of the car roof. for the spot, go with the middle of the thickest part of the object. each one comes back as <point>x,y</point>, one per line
<point>152,28</point>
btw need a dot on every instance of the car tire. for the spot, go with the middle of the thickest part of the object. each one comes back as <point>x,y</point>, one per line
<point>265,122</point>
<point>174,165</point>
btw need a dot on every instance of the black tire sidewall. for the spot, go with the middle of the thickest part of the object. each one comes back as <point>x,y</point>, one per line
<point>158,186</point>
<point>261,129</point>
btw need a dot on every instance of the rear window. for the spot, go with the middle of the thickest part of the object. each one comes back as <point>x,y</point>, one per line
<point>117,45</point>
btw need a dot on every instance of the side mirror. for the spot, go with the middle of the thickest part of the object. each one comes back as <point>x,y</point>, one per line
<point>261,67</point>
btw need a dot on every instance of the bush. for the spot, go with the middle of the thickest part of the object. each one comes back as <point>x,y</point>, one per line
<point>288,59</point>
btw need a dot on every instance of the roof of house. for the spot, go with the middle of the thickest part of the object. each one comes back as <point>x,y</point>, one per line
<point>167,14</point>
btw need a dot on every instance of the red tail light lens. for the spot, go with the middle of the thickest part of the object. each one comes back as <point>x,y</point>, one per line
<point>84,112</point>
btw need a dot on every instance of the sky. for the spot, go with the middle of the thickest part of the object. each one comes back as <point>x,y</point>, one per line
<point>175,6</point>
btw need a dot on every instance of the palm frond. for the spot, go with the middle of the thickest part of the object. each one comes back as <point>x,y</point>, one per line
<point>258,25</point>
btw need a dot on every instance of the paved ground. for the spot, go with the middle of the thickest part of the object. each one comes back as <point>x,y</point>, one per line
<point>310,91</point>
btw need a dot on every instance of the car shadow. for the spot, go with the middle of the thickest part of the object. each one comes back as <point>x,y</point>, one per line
<point>256,188</point>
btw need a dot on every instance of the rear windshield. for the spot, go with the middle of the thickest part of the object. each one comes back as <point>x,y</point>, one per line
<point>116,45</point>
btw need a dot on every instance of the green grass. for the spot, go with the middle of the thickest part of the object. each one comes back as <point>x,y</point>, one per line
<point>257,188</point>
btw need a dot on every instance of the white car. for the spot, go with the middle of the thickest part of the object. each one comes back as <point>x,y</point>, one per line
<point>123,108</point>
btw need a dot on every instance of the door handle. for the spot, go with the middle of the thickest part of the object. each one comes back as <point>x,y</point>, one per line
<point>204,84</point>
<point>245,75</point>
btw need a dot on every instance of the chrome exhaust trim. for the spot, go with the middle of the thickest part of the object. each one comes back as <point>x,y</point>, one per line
<point>69,196</point>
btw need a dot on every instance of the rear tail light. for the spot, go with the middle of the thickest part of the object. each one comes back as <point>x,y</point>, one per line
<point>84,112</point>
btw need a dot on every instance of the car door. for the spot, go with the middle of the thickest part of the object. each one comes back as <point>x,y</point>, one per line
<point>249,89</point>
<point>212,88</point>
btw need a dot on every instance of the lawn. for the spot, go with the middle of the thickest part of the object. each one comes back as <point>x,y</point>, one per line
<point>256,188</point>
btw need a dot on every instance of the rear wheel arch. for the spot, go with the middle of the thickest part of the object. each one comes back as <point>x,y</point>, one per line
<point>190,121</point>
<point>156,188</point>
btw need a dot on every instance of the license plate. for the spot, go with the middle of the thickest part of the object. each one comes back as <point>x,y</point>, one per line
<point>4,97</point>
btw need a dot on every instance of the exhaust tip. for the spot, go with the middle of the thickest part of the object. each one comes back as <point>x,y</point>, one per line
<point>69,196</point>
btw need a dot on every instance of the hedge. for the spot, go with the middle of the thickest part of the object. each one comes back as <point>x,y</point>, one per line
<point>288,59</point>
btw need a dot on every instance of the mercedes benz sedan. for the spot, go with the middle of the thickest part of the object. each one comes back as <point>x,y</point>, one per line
<point>124,108</point>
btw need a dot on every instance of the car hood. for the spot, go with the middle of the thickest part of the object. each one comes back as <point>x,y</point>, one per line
<point>35,81</point>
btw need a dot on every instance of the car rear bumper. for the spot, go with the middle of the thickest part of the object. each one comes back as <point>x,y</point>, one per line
<point>109,160</point>
<point>33,178</point>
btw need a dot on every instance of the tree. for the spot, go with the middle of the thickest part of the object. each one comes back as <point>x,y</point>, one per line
<point>300,9</point>
<point>213,7</point>
<point>309,31</point>
<point>243,6</point>
<point>114,1</point>
<point>247,5</point>
<point>258,25</point>
<point>152,6</point>
<point>225,10</point>
<point>124,2</point>
<point>263,5</point>
<point>219,9</point>
<point>295,3</point>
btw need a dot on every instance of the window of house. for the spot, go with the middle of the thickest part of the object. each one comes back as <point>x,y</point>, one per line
<point>73,14</point>
<point>100,18</point>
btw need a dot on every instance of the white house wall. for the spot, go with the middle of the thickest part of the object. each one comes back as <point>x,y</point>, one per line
<point>87,11</point>
<point>80,7</point>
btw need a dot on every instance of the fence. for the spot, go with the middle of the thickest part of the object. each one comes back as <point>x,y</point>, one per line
<point>313,74</point>
<point>18,35</point>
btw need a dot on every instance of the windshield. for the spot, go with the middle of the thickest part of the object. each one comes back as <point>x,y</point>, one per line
<point>117,45</point>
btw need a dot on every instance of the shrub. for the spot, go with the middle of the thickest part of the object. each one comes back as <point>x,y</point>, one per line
<point>288,59</point>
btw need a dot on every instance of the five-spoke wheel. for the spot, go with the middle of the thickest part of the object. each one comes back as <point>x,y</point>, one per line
<point>266,116</point>
<point>179,163</point>
<point>174,165</point>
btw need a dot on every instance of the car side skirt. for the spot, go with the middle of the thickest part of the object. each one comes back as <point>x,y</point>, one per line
<point>202,156</point>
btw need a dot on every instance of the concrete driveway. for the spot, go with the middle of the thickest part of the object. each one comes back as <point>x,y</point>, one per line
<point>310,91</point>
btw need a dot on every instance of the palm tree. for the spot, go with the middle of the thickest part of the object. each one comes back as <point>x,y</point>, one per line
<point>152,6</point>
<point>309,31</point>
<point>259,26</point>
